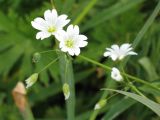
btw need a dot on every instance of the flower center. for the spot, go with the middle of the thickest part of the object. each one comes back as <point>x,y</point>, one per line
<point>51,29</point>
<point>69,43</point>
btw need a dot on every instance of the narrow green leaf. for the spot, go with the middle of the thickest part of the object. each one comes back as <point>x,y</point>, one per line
<point>144,29</point>
<point>150,69</point>
<point>111,12</point>
<point>118,108</point>
<point>69,79</point>
<point>155,107</point>
<point>85,11</point>
<point>10,61</point>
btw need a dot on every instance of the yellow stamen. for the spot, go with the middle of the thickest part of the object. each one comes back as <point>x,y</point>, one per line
<point>69,43</point>
<point>51,29</point>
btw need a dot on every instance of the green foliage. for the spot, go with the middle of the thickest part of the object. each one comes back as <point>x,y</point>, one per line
<point>147,102</point>
<point>107,22</point>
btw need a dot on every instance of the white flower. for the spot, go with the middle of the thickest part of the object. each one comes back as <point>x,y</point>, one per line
<point>116,52</point>
<point>50,25</point>
<point>71,41</point>
<point>115,74</point>
<point>31,80</point>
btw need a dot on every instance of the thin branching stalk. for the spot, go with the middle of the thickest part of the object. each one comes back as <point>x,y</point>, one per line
<point>125,74</point>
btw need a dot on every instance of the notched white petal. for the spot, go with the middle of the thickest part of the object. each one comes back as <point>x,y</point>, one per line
<point>118,53</point>
<point>50,25</point>
<point>42,35</point>
<point>72,41</point>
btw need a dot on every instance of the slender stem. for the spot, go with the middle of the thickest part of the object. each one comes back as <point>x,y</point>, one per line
<point>48,51</point>
<point>52,3</point>
<point>125,74</point>
<point>85,11</point>
<point>66,70</point>
<point>49,64</point>
<point>95,62</point>
<point>94,115</point>
<point>134,88</point>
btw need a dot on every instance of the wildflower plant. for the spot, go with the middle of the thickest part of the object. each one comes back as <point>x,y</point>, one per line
<point>69,41</point>
<point>52,24</point>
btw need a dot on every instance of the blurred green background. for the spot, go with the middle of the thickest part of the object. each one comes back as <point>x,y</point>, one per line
<point>107,23</point>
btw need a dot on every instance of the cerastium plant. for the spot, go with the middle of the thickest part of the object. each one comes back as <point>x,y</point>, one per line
<point>68,44</point>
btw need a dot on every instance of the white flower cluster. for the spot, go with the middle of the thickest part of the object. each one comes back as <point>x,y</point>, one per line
<point>70,40</point>
<point>118,53</point>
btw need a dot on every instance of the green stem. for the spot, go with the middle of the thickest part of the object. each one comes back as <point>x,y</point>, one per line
<point>52,3</point>
<point>125,74</point>
<point>49,64</point>
<point>131,85</point>
<point>94,115</point>
<point>69,79</point>
<point>48,51</point>
<point>84,12</point>
<point>136,90</point>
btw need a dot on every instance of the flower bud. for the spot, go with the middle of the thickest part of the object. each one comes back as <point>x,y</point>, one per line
<point>66,91</point>
<point>36,57</point>
<point>116,75</point>
<point>100,104</point>
<point>31,80</point>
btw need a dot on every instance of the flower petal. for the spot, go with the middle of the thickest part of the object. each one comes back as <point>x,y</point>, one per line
<point>125,46</point>
<point>132,53</point>
<point>70,29</point>
<point>50,16</point>
<point>39,24</point>
<point>83,43</point>
<point>60,35</point>
<point>115,47</point>
<point>71,52</point>
<point>76,31</point>
<point>77,51</point>
<point>42,35</point>
<point>62,21</point>
<point>106,54</point>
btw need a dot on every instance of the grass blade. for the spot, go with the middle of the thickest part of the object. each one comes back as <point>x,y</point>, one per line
<point>111,12</point>
<point>85,11</point>
<point>155,107</point>
<point>70,103</point>
<point>118,108</point>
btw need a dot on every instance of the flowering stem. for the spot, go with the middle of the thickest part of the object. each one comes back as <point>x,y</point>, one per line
<point>84,12</point>
<point>67,77</point>
<point>136,90</point>
<point>48,51</point>
<point>49,64</point>
<point>125,74</point>
<point>129,84</point>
